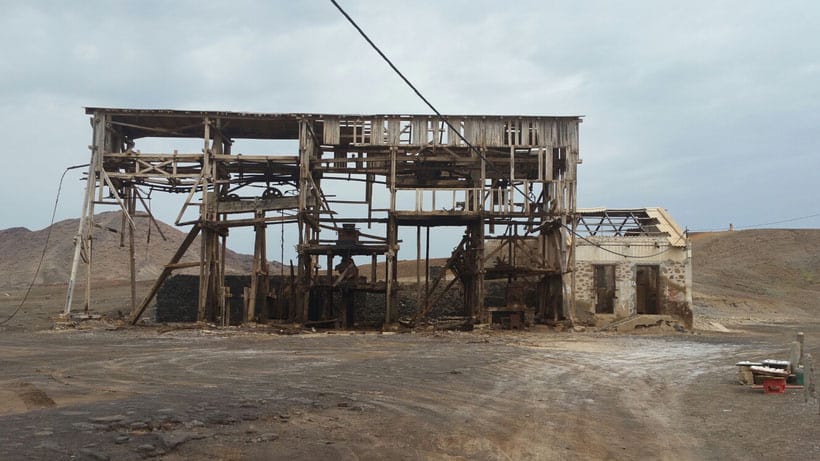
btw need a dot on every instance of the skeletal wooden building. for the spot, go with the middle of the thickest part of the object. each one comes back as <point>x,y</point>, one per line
<point>503,179</point>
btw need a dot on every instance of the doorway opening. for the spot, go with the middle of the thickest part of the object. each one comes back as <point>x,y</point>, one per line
<point>605,289</point>
<point>646,284</point>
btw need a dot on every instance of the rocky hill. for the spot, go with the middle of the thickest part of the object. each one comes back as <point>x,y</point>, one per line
<point>20,250</point>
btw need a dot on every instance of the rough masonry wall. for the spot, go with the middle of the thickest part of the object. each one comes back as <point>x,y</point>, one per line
<point>673,286</point>
<point>585,297</point>
<point>673,298</point>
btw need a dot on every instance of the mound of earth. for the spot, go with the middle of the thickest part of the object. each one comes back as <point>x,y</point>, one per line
<point>20,250</point>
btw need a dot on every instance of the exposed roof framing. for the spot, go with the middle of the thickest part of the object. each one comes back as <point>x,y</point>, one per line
<point>636,222</point>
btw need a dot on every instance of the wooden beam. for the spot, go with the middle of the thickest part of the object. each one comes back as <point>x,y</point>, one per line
<point>189,239</point>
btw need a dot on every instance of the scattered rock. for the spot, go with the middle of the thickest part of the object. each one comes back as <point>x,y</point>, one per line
<point>219,418</point>
<point>121,439</point>
<point>88,426</point>
<point>172,441</point>
<point>341,405</point>
<point>43,433</point>
<point>89,453</point>
<point>145,448</point>
<point>267,437</point>
<point>107,419</point>
<point>138,426</point>
<point>579,328</point>
<point>194,423</point>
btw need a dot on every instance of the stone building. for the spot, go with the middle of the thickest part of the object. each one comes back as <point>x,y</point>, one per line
<point>631,262</point>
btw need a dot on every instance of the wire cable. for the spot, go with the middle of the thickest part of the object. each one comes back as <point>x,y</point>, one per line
<point>752,226</point>
<point>418,93</point>
<point>779,222</point>
<point>598,245</point>
<point>45,246</point>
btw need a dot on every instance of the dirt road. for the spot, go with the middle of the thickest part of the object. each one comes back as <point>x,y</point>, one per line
<point>191,394</point>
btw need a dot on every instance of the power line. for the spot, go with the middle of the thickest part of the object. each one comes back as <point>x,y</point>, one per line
<point>598,245</point>
<point>45,246</point>
<point>781,222</point>
<point>752,226</point>
<point>418,93</point>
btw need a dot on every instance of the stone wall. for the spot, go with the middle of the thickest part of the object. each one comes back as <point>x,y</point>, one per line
<point>585,296</point>
<point>674,286</point>
<point>675,291</point>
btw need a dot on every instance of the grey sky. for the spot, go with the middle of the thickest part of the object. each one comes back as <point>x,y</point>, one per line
<point>709,109</point>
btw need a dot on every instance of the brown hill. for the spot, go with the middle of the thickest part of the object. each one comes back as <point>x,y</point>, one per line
<point>20,250</point>
<point>755,272</point>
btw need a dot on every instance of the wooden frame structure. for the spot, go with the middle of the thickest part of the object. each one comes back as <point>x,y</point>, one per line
<point>499,177</point>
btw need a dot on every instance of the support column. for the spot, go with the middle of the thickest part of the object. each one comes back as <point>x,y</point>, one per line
<point>211,292</point>
<point>82,240</point>
<point>474,280</point>
<point>304,217</point>
<point>259,275</point>
<point>131,200</point>
<point>391,279</point>
<point>392,246</point>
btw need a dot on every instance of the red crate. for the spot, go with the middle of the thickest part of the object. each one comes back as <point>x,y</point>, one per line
<point>774,386</point>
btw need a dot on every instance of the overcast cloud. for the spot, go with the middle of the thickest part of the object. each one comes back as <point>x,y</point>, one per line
<point>709,109</point>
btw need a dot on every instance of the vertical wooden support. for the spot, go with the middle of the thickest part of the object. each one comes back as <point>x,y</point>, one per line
<point>224,303</point>
<point>305,263</point>
<point>427,271</point>
<point>98,124</point>
<point>132,260</point>
<point>211,306</point>
<point>327,302</point>
<point>89,254</point>
<point>474,286</point>
<point>259,274</point>
<point>392,248</point>
<point>392,244</point>
<point>418,267</point>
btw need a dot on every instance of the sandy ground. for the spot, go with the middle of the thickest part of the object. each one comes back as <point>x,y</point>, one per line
<point>99,392</point>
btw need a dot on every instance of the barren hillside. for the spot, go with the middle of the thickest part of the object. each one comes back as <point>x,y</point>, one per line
<point>758,272</point>
<point>20,251</point>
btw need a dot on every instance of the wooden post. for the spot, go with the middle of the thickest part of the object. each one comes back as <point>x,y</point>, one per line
<point>224,299</point>
<point>82,239</point>
<point>474,282</point>
<point>258,270</point>
<point>89,265</point>
<point>419,299</point>
<point>132,206</point>
<point>392,247</point>
<point>427,271</point>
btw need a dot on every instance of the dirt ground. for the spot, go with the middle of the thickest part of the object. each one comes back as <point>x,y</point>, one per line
<point>104,392</point>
